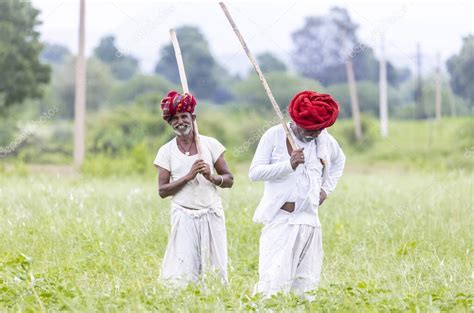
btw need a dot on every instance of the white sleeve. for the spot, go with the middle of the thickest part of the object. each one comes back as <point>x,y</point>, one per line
<point>261,169</point>
<point>338,160</point>
<point>216,149</point>
<point>163,158</point>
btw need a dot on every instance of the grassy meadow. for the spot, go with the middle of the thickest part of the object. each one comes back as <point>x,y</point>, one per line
<point>397,232</point>
<point>398,241</point>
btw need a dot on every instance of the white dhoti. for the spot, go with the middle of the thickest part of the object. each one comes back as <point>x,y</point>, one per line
<point>291,257</point>
<point>197,245</point>
<point>291,249</point>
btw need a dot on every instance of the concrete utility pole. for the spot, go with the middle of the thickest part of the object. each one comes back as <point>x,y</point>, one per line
<point>354,101</point>
<point>419,89</point>
<point>438,88</point>
<point>383,105</point>
<point>80,93</point>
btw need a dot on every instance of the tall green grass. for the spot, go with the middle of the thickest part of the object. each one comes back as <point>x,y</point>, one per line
<point>393,241</point>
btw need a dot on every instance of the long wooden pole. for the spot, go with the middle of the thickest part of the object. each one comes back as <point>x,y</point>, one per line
<point>260,75</point>
<point>438,88</point>
<point>354,100</point>
<point>80,93</point>
<point>184,84</point>
<point>383,99</point>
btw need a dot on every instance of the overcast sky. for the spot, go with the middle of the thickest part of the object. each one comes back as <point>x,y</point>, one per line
<point>141,26</point>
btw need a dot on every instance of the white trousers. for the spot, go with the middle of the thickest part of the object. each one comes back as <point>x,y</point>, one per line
<point>197,245</point>
<point>291,257</point>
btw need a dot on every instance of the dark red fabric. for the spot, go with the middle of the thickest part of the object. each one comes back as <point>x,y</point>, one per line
<point>313,111</point>
<point>175,103</point>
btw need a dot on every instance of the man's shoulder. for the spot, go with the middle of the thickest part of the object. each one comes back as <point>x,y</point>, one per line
<point>204,137</point>
<point>212,143</point>
<point>274,130</point>
<point>207,139</point>
<point>325,135</point>
<point>328,139</point>
<point>167,146</point>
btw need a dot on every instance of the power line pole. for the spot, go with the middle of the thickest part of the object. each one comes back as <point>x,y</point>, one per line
<point>351,81</point>
<point>383,105</point>
<point>419,89</point>
<point>438,88</point>
<point>354,101</point>
<point>80,93</point>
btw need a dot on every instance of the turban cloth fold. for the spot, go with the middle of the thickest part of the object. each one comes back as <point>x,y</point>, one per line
<point>313,111</point>
<point>175,103</point>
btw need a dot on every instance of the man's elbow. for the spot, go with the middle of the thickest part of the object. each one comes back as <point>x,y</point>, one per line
<point>253,175</point>
<point>342,158</point>
<point>163,194</point>
<point>231,181</point>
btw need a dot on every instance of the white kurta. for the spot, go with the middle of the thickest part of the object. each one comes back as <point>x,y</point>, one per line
<point>291,250</point>
<point>197,243</point>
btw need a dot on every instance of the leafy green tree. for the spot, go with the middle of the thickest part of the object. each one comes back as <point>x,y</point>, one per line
<point>106,51</point>
<point>198,62</point>
<point>22,72</point>
<point>396,76</point>
<point>225,82</point>
<point>325,42</point>
<point>283,84</point>
<point>141,86</point>
<point>460,67</point>
<point>366,68</point>
<point>100,83</point>
<point>269,63</point>
<point>123,66</point>
<point>368,94</point>
<point>54,53</point>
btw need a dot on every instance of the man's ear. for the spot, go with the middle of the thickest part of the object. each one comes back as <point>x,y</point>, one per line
<point>193,116</point>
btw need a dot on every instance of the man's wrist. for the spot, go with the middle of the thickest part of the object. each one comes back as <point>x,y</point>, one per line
<point>217,180</point>
<point>187,178</point>
<point>213,179</point>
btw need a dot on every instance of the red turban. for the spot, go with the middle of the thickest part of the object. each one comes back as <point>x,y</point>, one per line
<point>175,103</point>
<point>313,111</point>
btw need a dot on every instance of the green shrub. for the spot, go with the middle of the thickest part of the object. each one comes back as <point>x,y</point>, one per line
<point>140,86</point>
<point>465,134</point>
<point>137,161</point>
<point>114,132</point>
<point>369,134</point>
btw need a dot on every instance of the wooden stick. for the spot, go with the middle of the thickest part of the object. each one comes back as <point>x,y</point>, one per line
<point>260,75</point>
<point>184,84</point>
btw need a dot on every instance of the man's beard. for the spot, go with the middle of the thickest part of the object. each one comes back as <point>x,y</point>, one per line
<point>297,132</point>
<point>304,138</point>
<point>307,139</point>
<point>182,132</point>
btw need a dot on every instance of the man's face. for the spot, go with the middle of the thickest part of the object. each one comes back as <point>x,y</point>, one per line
<point>306,135</point>
<point>182,123</point>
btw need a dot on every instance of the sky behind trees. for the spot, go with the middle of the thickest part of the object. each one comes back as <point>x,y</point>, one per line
<point>141,27</point>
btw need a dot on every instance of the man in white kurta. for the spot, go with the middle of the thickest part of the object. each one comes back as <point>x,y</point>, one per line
<point>291,251</point>
<point>197,243</point>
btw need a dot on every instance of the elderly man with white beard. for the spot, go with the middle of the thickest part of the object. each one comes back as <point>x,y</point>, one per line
<point>198,242</point>
<point>296,183</point>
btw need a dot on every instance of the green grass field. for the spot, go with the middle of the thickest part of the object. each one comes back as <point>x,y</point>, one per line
<point>394,241</point>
